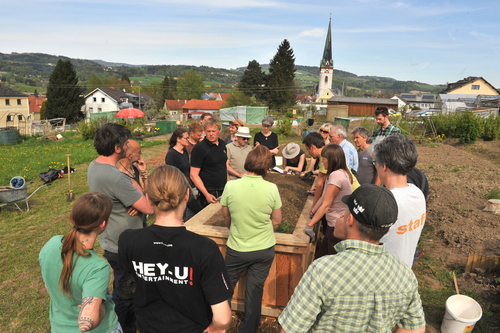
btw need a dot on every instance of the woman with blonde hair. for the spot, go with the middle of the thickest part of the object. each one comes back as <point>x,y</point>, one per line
<point>182,283</point>
<point>337,184</point>
<point>75,276</point>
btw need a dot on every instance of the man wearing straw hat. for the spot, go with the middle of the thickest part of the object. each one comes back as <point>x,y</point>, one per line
<point>363,288</point>
<point>237,152</point>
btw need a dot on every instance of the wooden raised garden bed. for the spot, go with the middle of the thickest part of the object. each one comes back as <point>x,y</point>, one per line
<point>294,254</point>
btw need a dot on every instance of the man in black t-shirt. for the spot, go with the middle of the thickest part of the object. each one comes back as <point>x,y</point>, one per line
<point>208,164</point>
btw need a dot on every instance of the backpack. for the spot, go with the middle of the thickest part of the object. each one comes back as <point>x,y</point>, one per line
<point>50,175</point>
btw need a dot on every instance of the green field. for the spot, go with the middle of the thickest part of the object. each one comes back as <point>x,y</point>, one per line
<point>30,158</point>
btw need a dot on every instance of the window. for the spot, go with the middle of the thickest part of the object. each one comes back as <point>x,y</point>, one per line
<point>99,109</point>
<point>18,101</point>
<point>7,101</point>
<point>20,117</point>
<point>91,110</point>
<point>103,100</point>
<point>475,87</point>
<point>9,118</point>
<point>95,99</point>
<point>326,79</point>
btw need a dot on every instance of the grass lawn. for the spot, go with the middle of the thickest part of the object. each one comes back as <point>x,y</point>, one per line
<point>24,302</point>
<point>30,158</point>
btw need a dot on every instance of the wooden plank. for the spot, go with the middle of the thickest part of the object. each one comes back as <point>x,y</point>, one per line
<point>204,215</point>
<point>482,261</point>
<point>282,278</point>
<point>468,266</point>
<point>295,273</point>
<point>269,296</point>
<point>475,262</point>
<point>290,249</point>
<point>239,290</point>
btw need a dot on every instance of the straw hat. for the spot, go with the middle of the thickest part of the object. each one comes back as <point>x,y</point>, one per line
<point>291,151</point>
<point>244,132</point>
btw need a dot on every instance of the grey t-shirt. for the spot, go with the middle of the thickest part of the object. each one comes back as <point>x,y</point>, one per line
<point>366,170</point>
<point>107,179</point>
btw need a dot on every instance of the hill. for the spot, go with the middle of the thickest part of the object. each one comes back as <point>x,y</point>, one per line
<point>29,71</point>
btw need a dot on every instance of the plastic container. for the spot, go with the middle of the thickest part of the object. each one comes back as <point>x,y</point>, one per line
<point>18,182</point>
<point>462,313</point>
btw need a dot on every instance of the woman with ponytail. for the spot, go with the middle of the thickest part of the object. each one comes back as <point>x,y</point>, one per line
<point>181,279</point>
<point>75,276</point>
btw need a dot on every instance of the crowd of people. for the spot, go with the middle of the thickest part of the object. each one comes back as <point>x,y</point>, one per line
<point>370,201</point>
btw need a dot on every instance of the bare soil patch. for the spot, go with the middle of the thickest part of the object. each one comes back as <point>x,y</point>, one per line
<point>293,192</point>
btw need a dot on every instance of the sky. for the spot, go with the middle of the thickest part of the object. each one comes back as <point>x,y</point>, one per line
<point>433,42</point>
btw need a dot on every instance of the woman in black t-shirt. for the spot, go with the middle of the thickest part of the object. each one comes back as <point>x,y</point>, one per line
<point>178,157</point>
<point>268,138</point>
<point>182,283</point>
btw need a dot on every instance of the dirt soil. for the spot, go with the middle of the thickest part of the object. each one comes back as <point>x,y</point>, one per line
<point>293,193</point>
<point>459,177</point>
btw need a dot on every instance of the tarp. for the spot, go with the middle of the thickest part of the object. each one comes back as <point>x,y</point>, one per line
<point>249,114</point>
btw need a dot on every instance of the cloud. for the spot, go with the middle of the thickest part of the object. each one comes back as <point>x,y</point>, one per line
<point>385,28</point>
<point>317,32</point>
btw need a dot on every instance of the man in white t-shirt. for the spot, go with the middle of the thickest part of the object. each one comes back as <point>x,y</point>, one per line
<point>395,156</point>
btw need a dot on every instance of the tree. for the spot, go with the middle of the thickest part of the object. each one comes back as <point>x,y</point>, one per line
<point>64,96</point>
<point>237,97</point>
<point>252,81</point>
<point>167,88</point>
<point>93,82</point>
<point>35,94</point>
<point>125,79</point>
<point>190,86</point>
<point>43,110</point>
<point>280,81</point>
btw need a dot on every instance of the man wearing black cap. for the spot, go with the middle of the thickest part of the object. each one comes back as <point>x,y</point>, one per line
<point>363,288</point>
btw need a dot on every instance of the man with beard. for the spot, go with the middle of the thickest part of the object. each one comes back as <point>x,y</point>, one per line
<point>104,177</point>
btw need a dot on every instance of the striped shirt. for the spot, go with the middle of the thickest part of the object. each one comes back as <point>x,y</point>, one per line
<point>363,288</point>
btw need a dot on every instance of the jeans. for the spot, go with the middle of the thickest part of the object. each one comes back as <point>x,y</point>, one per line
<point>123,294</point>
<point>328,243</point>
<point>258,264</point>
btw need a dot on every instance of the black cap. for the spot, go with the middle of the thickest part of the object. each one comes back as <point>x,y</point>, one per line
<point>373,206</point>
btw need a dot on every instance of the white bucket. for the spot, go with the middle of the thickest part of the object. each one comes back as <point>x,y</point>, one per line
<point>279,160</point>
<point>462,313</point>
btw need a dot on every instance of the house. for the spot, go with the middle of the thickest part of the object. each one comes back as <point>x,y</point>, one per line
<point>174,105</point>
<point>35,104</point>
<point>108,101</point>
<point>471,85</point>
<point>14,110</point>
<point>216,96</point>
<point>197,106</point>
<point>361,106</point>
<point>423,101</point>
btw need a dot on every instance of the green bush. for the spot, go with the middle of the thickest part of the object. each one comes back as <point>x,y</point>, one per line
<point>469,127</point>
<point>289,114</point>
<point>491,128</point>
<point>87,130</point>
<point>284,126</point>
<point>446,124</point>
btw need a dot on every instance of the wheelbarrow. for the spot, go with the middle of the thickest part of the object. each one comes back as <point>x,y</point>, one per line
<point>13,196</point>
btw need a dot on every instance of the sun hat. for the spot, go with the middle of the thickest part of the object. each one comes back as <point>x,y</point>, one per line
<point>291,151</point>
<point>237,123</point>
<point>268,121</point>
<point>244,132</point>
<point>372,205</point>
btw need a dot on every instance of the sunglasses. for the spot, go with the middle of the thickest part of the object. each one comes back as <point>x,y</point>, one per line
<point>323,131</point>
<point>244,139</point>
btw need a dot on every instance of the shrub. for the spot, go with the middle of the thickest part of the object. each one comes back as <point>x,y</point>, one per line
<point>446,124</point>
<point>469,127</point>
<point>491,128</point>
<point>284,126</point>
<point>289,114</point>
<point>87,130</point>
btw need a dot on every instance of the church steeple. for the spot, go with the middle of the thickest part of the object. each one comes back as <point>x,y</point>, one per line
<point>326,67</point>
<point>327,60</point>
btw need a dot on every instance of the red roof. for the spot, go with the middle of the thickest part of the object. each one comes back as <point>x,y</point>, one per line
<point>174,104</point>
<point>224,96</point>
<point>34,103</point>
<point>199,104</point>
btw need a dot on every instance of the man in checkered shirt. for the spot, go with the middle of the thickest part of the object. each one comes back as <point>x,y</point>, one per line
<point>363,288</point>
<point>386,127</point>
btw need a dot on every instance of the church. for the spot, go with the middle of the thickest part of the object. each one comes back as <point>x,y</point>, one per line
<point>325,91</point>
